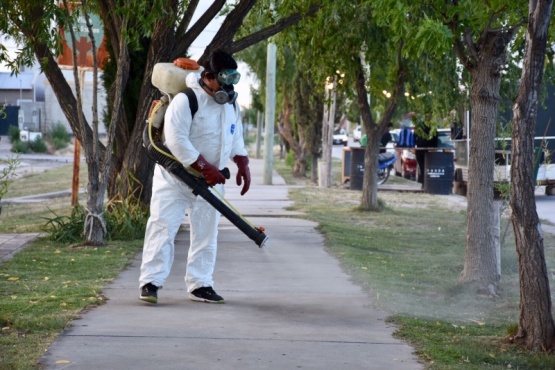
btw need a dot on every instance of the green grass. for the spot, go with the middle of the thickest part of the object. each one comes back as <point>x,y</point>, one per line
<point>31,217</point>
<point>55,179</point>
<point>447,345</point>
<point>408,257</point>
<point>47,285</point>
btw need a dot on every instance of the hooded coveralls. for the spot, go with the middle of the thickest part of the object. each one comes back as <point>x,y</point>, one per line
<point>216,132</point>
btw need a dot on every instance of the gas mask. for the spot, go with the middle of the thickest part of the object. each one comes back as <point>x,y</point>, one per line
<point>225,95</point>
<point>226,78</point>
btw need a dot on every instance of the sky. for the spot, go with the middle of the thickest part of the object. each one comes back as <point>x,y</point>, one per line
<point>11,46</point>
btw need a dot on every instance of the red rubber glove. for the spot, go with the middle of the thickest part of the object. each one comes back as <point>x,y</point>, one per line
<point>211,173</point>
<point>243,174</point>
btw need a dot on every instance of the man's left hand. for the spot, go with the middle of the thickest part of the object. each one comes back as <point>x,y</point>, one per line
<point>243,173</point>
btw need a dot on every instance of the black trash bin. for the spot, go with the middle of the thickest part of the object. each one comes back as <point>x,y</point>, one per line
<point>357,168</point>
<point>439,172</point>
<point>346,165</point>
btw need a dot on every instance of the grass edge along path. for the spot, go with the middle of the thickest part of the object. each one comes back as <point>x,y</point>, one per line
<point>46,286</point>
<point>408,257</point>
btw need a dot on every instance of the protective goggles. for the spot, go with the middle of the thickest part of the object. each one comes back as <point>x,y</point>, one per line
<point>228,77</point>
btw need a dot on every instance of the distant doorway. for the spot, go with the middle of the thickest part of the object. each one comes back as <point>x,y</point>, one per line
<point>8,118</point>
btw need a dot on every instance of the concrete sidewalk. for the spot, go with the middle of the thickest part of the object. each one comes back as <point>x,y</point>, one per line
<point>10,244</point>
<point>288,305</point>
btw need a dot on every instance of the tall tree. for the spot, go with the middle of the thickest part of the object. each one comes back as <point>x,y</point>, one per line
<point>298,105</point>
<point>30,21</point>
<point>482,50</point>
<point>308,112</point>
<point>168,35</point>
<point>481,33</point>
<point>536,328</point>
<point>370,49</point>
<point>98,161</point>
<point>157,32</point>
<point>341,39</point>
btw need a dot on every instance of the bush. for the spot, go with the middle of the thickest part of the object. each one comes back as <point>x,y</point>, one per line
<point>67,229</point>
<point>13,134</point>
<point>38,145</point>
<point>58,136</point>
<point>125,220</point>
<point>290,159</point>
<point>58,143</point>
<point>20,147</point>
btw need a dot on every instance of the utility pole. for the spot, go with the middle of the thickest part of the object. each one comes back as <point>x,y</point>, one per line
<point>258,133</point>
<point>325,179</point>
<point>270,114</point>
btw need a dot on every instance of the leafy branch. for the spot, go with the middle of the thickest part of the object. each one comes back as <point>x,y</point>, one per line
<point>7,175</point>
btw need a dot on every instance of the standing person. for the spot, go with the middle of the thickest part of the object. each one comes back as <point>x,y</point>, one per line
<point>425,137</point>
<point>386,137</point>
<point>204,142</point>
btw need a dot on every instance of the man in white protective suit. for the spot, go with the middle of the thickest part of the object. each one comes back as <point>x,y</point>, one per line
<point>204,142</point>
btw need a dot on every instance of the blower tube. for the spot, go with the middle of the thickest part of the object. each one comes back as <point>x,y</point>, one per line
<point>200,188</point>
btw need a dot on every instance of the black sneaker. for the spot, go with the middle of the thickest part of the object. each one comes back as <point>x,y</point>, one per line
<point>205,294</point>
<point>149,293</point>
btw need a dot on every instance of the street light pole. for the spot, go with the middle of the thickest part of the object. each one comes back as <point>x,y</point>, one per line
<point>325,177</point>
<point>270,114</point>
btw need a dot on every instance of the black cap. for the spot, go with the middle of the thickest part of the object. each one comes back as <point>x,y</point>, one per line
<point>220,60</point>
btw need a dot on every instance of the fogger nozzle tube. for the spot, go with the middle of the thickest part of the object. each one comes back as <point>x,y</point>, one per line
<point>200,188</point>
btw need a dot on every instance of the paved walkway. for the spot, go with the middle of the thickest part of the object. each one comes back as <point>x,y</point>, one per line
<point>10,244</point>
<point>288,305</point>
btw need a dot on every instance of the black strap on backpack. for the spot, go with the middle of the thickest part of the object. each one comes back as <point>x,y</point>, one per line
<point>193,102</point>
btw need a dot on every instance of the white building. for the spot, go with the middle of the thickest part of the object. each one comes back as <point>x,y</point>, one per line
<point>29,97</point>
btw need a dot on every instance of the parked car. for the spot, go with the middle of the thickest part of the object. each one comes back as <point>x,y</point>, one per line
<point>340,137</point>
<point>406,164</point>
<point>390,147</point>
<point>444,138</point>
<point>357,134</point>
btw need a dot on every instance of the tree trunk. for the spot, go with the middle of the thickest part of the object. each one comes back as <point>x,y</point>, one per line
<point>536,327</point>
<point>369,200</point>
<point>496,232</point>
<point>287,133</point>
<point>95,224</point>
<point>370,181</point>
<point>480,262</point>
<point>307,107</point>
<point>135,175</point>
<point>314,168</point>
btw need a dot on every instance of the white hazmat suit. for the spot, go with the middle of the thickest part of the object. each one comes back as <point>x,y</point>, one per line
<point>216,133</point>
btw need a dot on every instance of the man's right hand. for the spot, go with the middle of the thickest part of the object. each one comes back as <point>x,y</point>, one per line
<point>211,173</point>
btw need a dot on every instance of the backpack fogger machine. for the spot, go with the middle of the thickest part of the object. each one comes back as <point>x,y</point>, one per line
<point>169,78</point>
